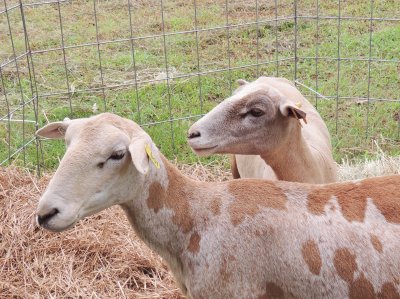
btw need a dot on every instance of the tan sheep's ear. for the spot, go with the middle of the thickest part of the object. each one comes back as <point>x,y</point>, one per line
<point>241,82</point>
<point>137,149</point>
<point>55,130</point>
<point>293,110</point>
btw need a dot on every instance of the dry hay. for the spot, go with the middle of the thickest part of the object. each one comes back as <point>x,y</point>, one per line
<point>101,257</point>
<point>382,164</point>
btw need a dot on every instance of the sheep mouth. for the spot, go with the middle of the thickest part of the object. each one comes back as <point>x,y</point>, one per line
<point>204,150</point>
<point>55,229</point>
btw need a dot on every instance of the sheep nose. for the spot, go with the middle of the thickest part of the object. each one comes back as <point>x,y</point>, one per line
<point>194,134</point>
<point>43,219</point>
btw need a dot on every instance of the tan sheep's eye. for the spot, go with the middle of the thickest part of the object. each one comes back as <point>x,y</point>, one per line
<point>256,112</point>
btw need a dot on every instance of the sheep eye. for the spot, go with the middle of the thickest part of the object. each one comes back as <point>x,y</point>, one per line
<point>117,156</point>
<point>256,112</point>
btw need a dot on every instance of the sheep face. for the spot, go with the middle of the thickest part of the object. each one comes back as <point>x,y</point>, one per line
<point>103,165</point>
<point>241,124</point>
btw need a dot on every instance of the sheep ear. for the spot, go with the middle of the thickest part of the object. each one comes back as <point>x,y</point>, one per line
<point>241,82</point>
<point>55,130</point>
<point>293,110</point>
<point>137,149</point>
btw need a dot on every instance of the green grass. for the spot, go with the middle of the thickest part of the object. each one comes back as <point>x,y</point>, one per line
<point>350,136</point>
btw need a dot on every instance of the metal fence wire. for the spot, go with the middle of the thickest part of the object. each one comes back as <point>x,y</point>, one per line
<point>164,63</point>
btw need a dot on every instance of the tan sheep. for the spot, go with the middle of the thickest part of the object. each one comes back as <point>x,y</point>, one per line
<point>262,120</point>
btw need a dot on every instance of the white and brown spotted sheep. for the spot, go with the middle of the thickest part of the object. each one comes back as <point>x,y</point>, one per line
<point>261,125</point>
<point>237,239</point>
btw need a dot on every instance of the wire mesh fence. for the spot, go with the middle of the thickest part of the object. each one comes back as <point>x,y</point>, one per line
<point>164,63</point>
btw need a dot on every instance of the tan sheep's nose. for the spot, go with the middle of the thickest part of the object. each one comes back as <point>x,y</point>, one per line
<point>193,134</point>
<point>43,219</point>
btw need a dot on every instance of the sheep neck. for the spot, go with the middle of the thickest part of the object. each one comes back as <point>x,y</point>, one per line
<point>161,215</point>
<point>293,160</point>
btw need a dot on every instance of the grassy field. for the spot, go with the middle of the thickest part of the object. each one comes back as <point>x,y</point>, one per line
<point>354,124</point>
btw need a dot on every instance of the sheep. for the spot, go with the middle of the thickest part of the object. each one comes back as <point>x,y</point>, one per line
<point>263,118</point>
<point>245,238</point>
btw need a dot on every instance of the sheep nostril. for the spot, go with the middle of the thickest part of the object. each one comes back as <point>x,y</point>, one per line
<point>194,134</point>
<point>45,218</point>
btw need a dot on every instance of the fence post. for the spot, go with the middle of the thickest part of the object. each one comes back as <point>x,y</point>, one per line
<point>33,87</point>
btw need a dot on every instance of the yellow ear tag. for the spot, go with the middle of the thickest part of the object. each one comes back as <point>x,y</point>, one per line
<point>150,154</point>
<point>298,105</point>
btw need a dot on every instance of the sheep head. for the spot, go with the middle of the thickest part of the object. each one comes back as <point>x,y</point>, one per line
<point>105,164</point>
<point>255,119</point>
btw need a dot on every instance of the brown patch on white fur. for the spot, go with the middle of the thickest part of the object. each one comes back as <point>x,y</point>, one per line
<point>215,206</point>
<point>352,198</point>
<point>345,264</point>
<point>251,195</point>
<point>312,256</point>
<point>353,204</point>
<point>194,243</point>
<point>376,243</point>
<point>153,201</point>
<point>179,199</point>
<point>272,291</point>
<point>361,288</point>
<point>175,197</point>
<point>388,291</point>
<point>225,274</point>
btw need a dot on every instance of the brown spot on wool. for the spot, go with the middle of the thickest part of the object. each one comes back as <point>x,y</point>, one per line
<point>252,195</point>
<point>175,197</point>
<point>194,243</point>
<point>153,202</point>
<point>351,209</point>
<point>352,198</point>
<point>345,264</point>
<point>312,256</point>
<point>376,243</point>
<point>388,291</point>
<point>266,231</point>
<point>361,288</point>
<point>272,291</point>
<point>216,206</point>
<point>225,274</point>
